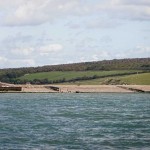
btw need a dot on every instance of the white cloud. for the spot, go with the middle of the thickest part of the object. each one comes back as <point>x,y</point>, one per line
<point>120,55</point>
<point>4,4</point>
<point>45,50</point>
<point>27,48</point>
<point>142,49</point>
<point>21,62</point>
<point>35,12</point>
<point>43,43</point>
<point>102,24</point>
<point>3,59</point>
<point>104,55</point>
<point>129,9</point>
<point>134,2</point>
<point>22,51</point>
<point>27,62</point>
<point>10,62</point>
<point>82,59</point>
<point>137,52</point>
<point>101,55</point>
<point>95,57</point>
<point>106,39</point>
<point>33,51</point>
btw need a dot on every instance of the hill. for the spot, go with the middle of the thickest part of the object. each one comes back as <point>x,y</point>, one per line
<point>75,72</point>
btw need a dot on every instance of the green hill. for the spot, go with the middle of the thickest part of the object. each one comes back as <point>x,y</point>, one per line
<point>75,72</point>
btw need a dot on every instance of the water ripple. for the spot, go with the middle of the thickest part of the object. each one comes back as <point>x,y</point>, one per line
<point>74,121</point>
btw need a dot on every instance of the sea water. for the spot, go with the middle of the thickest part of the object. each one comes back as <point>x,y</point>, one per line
<point>74,121</point>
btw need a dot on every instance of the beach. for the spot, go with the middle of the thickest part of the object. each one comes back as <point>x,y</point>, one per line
<point>55,88</point>
<point>88,88</point>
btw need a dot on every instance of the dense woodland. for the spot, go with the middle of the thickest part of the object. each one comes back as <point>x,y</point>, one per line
<point>11,75</point>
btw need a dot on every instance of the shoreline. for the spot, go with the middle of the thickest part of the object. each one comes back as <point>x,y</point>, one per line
<point>28,88</point>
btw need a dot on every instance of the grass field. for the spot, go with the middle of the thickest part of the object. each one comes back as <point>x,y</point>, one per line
<point>56,75</point>
<point>139,79</point>
<point>88,82</point>
<point>136,79</point>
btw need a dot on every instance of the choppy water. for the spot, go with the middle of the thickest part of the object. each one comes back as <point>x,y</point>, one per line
<point>74,121</point>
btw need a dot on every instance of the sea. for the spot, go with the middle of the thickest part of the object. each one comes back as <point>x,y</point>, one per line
<point>67,121</point>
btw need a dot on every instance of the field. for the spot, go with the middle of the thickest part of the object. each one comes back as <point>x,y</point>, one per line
<point>136,79</point>
<point>139,79</point>
<point>56,75</point>
<point>80,77</point>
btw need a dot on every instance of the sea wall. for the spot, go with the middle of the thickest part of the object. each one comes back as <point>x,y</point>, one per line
<point>10,89</point>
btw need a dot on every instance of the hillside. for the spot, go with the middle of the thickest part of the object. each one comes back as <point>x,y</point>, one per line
<point>71,76</point>
<point>75,72</point>
<point>134,79</point>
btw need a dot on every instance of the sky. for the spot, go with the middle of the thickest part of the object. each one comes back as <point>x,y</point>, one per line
<point>48,32</point>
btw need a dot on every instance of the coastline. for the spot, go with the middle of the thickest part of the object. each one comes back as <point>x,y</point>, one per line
<point>28,88</point>
<point>88,89</point>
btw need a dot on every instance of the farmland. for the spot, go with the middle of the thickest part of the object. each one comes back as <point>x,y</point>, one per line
<point>135,79</point>
<point>139,79</point>
<point>74,75</point>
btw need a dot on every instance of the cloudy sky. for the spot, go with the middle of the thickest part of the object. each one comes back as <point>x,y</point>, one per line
<point>45,32</point>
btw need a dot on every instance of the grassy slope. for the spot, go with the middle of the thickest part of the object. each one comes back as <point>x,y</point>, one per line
<point>56,75</point>
<point>138,79</point>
